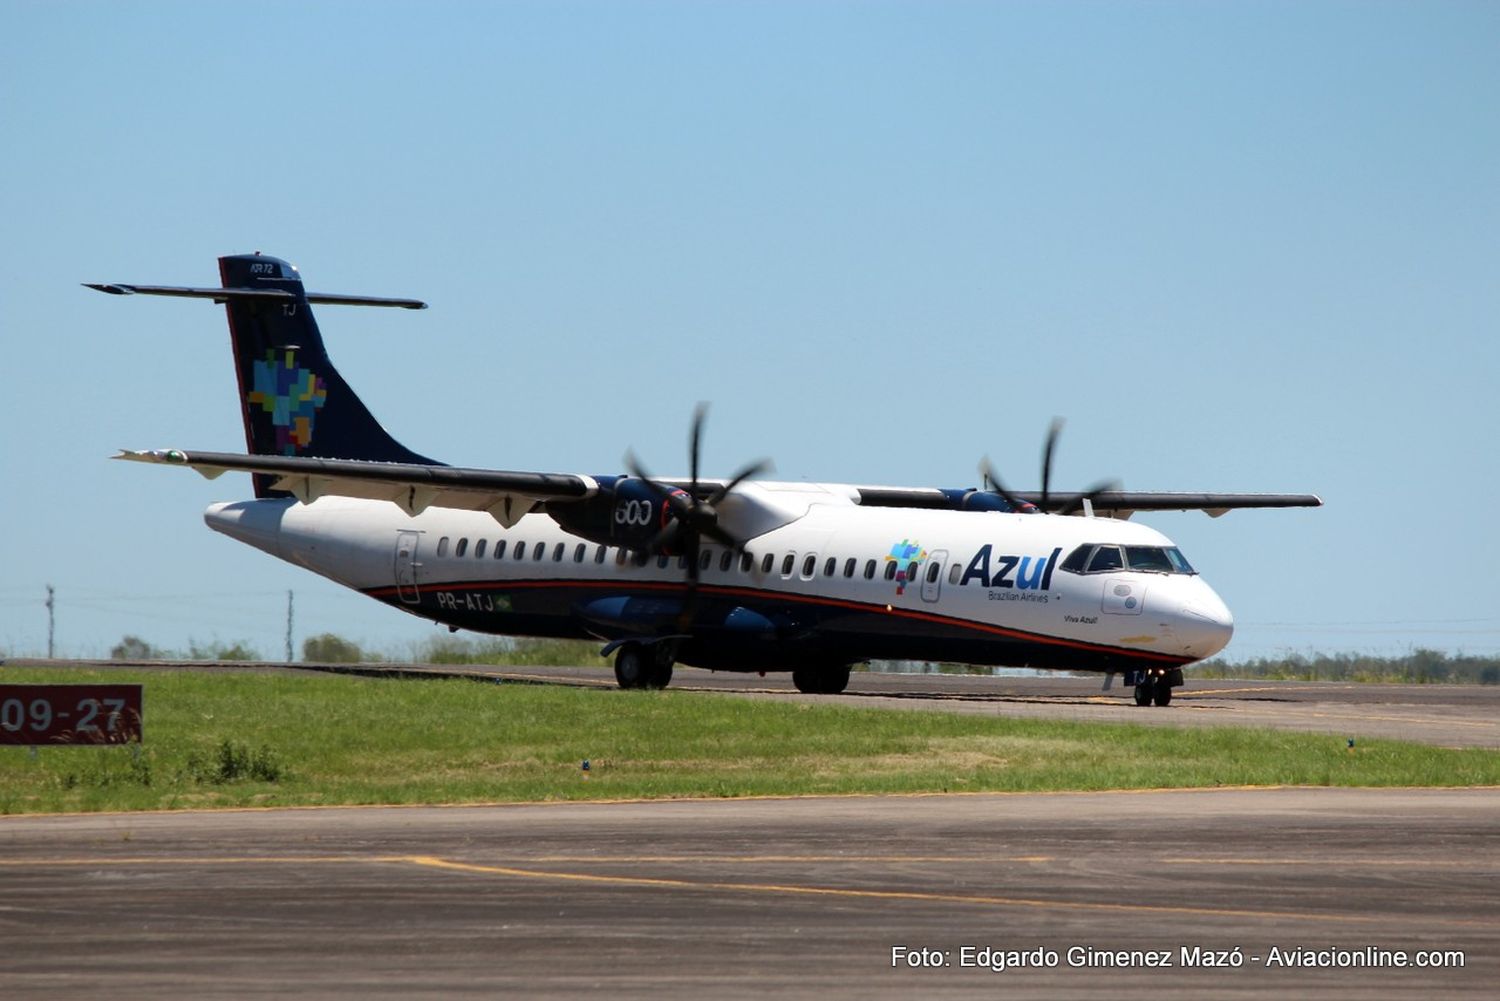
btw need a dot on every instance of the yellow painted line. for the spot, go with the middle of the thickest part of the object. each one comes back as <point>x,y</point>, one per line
<point>783,889</point>
<point>911,895</point>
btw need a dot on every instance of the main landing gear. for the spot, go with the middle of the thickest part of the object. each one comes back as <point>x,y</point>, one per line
<point>638,665</point>
<point>821,679</point>
<point>1156,684</point>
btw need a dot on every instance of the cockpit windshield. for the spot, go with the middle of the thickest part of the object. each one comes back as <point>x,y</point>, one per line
<point>1094,558</point>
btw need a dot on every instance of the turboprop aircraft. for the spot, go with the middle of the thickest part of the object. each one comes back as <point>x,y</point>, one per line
<point>736,574</point>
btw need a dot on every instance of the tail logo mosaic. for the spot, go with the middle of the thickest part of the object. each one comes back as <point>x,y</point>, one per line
<point>292,397</point>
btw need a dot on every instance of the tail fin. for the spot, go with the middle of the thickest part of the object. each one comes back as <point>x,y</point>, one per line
<point>293,400</point>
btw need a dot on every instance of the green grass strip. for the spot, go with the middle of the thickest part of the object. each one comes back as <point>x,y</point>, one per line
<point>229,740</point>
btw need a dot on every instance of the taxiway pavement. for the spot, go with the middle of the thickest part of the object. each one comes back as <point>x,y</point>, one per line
<point>749,898</point>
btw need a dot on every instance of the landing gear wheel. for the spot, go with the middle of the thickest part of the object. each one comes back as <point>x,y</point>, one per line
<point>821,680</point>
<point>631,666</point>
<point>659,674</point>
<point>1145,691</point>
<point>1163,693</point>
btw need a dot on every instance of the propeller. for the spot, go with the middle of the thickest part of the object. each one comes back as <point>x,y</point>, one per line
<point>991,480</point>
<point>693,517</point>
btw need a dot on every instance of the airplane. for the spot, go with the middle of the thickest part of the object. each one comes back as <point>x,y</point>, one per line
<point>739,574</point>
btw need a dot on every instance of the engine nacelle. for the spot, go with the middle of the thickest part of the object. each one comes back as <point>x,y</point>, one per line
<point>625,512</point>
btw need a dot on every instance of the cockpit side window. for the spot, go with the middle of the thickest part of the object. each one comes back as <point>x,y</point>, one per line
<point>1106,558</point>
<point>1179,561</point>
<point>1078,558</point>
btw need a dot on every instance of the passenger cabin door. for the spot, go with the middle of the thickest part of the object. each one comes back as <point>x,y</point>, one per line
<point>406,567</point>
<point>932,574</point>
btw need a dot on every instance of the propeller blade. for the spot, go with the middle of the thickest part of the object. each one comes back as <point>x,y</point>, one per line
<point>753,469</point>
<point>1076,504</point>
<point>1047,450</point>
<point>695,443</point>
<point>991,481</point>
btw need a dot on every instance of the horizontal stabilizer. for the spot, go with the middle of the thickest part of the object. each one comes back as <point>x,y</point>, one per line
<point>222,295</point>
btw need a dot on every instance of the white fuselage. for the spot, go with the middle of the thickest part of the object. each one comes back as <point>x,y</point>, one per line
<point>984,574</point>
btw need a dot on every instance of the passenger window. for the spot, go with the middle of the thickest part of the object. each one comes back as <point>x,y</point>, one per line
<point>621,556</point>
<point>557,553</point>
<point>726,561</point>
<point>869,570</point>
<point>912,569</point>
<point>662,561</point>
<point>500,549</point>
<point>539,552</point>
<point>1106,558</point>
<point>933,569</point>
<point>747,560</point>
<point>640,559</point>
<point>809,565</point>
<point>890,570</point>
<point>580,552</point>
<point>706,560</point>
<point>955,571</point>
<point>461,548</point>
<point>1078,559</point>
<point>479,548</point>
<point>520,550</point>
<point>599,555</point>
<point>831,567</point>
<point>849,566</point>
<point>765,564</point>
<point>787,564</point>
<point>443,546</point>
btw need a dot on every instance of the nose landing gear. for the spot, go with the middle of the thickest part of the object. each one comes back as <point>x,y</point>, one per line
<point>1156,684</point>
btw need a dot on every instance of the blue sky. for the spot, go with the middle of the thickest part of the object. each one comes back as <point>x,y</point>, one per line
<point>1239,246</point>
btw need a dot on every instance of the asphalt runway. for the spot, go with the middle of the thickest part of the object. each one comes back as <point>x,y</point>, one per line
<point>748,898</point>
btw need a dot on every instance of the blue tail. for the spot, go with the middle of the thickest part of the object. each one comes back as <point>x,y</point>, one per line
<point>293,400</point>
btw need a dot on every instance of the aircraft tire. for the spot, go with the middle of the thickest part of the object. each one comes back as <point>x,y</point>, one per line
<point>836,679</point>
<point>631,666</point>
<point>1144,692</point>
<point>1163,694</point>
<point>821,680</point>
<point>659,674</point>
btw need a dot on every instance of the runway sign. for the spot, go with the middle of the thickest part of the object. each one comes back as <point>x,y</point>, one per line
<point>70,714</point>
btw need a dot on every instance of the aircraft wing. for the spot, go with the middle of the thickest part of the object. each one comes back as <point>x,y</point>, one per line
<point>507,496</point>
<point>1106,503</point>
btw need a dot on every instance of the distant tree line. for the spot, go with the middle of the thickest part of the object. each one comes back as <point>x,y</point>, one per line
<point>135,648</point>
<point>1420,666</point>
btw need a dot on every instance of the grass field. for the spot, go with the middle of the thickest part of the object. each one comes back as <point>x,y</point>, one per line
<point>285,739</point>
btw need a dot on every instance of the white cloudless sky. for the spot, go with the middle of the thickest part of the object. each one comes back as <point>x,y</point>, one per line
<point>1240,246</point>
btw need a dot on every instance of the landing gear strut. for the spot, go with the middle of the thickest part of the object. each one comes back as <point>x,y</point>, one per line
<point>638,665</point>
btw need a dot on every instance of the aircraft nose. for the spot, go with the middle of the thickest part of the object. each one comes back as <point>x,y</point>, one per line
<point>1204,624</point>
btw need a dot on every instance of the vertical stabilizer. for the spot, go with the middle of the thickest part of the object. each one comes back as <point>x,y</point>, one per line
<point>294,402</point>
